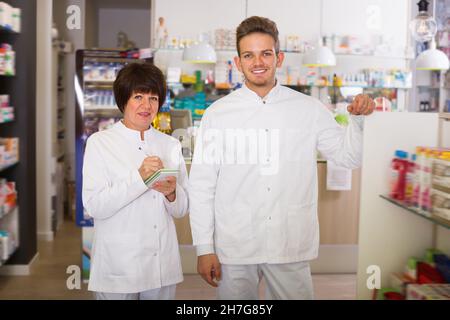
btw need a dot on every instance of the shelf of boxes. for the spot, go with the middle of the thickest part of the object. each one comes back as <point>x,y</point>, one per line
<point>434,219</point>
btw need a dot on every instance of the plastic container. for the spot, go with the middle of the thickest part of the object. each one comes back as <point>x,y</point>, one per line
<point>425,183</point>
<point>410,181</point>
<point>399,167</point>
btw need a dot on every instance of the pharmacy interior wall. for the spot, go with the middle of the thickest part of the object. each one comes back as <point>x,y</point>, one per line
<point>134,22</point>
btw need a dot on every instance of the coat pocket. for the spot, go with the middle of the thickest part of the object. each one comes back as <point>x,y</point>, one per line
<point>303,226</point>
<point>234,227</point>
<point>120,255</point>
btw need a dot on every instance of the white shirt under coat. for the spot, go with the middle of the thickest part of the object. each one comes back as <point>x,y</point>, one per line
<point>135,245</point>
<point>265,212</point>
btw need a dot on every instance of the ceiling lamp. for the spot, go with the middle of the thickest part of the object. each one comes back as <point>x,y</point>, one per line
<point>432,59</point>
<point>320,56</point>
<point>201,52</point>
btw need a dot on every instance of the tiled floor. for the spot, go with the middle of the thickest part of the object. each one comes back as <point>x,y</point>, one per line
<point>48,278</point>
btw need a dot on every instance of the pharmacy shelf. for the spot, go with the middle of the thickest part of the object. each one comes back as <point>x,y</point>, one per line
<point>106,59</point>
<point>7,166</point>
<point>8,212</point>
<point>98,83</point>
<point>436,220</point>
<point>344,55</point>
<point>101,112</point>
<point>352,86</point>
<point>367,55</point>
<point>100,107</point>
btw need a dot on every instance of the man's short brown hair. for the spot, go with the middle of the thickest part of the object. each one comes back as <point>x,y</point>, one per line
<point>257,24</point>
<point>139,78</point>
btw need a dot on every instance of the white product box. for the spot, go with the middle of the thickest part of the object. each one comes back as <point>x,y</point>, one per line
<point>5,15</point>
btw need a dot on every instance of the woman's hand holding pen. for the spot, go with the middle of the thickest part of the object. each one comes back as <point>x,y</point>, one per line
<point>149,166</point>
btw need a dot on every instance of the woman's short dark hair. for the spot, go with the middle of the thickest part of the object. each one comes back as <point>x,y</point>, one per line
<point>257,24</point>
<point>139,77</point>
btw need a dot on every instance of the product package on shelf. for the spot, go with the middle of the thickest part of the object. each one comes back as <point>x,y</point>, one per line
<point>101,71</point>
<point>9,151</point>
<point>428,292</point>
<point>7,60</point>
<point>6,111</point>
<point>423,181</point>
<point>8,196</point>
<point>225,39</point>
<point>440,192</point>
<point>7,244</point>
<point>424,278</point>
<point>9,17</point>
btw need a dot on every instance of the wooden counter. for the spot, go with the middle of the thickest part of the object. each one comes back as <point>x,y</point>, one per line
<point>338,212</point>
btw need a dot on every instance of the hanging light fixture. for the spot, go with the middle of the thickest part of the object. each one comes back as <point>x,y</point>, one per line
<point>423,27</point>
<point>200,52</point>
<point>320,56</point>
<point>432,59</point>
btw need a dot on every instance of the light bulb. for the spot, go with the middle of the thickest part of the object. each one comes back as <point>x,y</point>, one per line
<point>423,27</point>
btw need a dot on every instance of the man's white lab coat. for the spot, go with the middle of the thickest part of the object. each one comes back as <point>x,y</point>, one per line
<point>253,181</point>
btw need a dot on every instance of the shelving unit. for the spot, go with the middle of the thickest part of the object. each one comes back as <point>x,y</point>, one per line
<point>59,135</point>
<point>7,166</point>
<point>436,220</point>
<point>21,220</point>
<point>10,219</point>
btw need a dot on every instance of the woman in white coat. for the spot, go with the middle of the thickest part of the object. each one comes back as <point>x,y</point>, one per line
<point>135,252</point>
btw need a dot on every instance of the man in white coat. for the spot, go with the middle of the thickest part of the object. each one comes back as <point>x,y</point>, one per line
<point>253,181</point>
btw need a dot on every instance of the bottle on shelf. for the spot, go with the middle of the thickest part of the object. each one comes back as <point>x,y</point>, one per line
<point>399,167</point>
<point>410,181</point>
<point>425,183</point>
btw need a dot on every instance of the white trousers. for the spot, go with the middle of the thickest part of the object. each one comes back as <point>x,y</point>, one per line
<point>163,293</point>
<point>287,281</point>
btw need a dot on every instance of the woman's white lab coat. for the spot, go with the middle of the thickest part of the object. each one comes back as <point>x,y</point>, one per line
<point>135,245</point>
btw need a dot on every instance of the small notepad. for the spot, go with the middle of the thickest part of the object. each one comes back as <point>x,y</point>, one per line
<point>160,175</point>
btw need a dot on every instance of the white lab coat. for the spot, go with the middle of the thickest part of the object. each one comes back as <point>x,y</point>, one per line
<point>135,245</point>
<point>251,212</point>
